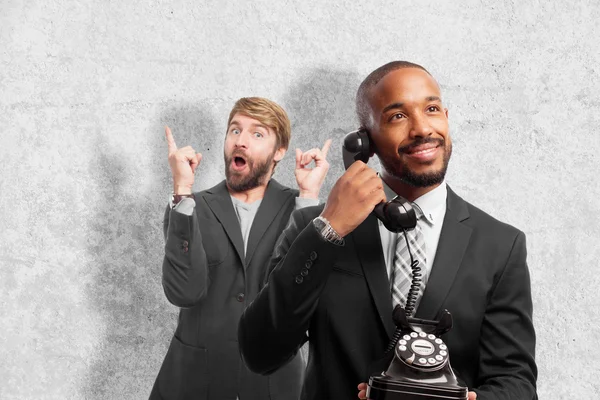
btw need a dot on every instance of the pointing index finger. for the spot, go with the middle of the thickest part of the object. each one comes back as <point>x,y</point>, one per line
<point>325,148</point>
<point>170,140</point>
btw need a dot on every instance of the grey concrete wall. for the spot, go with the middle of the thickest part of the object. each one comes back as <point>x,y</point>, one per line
<point>86,87</point>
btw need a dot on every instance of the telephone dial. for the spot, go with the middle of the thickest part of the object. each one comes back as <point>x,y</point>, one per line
<point>420,367</point>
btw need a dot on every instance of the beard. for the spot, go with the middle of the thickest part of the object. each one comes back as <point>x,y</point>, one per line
<point>238,182</point>
<point>402,171</point>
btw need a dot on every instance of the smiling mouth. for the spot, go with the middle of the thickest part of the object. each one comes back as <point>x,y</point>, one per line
<point>421,147</point>
<point>422,150</point>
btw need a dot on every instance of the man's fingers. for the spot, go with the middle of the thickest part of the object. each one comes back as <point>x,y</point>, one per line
<point>308,156</point>
<point>195,161</point>
<point>170,140</point>
<point>362,394</point>
<point>325,148</point>
<point>187,152</point>
<point>298,159</point>
<point>472,396</point>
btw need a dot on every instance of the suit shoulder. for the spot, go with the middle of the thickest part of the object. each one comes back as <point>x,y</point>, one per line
<point>491,224</point>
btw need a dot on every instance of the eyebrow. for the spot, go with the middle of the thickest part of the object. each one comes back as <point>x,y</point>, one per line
<point>391,107</point>
<point>234,122</point>
<point>400,105</point>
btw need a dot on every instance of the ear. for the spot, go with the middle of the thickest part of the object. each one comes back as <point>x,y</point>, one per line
<point>279,154</point>
<point>446,112</point>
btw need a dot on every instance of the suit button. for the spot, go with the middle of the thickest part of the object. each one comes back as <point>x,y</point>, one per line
<point>240,297</point>
<point>304,272</point>
<point>313,255</point>
<point>185,243</point>
<point>308,264</point>
<point>299,279</point>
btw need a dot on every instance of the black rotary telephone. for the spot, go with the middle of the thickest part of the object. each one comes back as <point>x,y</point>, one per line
<point>420,367</point>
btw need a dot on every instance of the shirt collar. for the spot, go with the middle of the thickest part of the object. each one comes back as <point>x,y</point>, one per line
<point>432,203</point>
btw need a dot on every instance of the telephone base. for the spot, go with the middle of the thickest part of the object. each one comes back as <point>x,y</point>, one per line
<point>387,388</point>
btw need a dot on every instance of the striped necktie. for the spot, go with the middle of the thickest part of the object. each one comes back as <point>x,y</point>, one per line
<point>401,276</point>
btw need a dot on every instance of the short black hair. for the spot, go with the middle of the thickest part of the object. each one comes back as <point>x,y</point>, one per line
<point>362,95</point>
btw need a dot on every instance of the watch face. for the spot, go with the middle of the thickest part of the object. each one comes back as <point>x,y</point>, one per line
<point>319,223</point>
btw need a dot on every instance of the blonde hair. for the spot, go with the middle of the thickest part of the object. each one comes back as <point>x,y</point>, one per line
<point>268,113</point>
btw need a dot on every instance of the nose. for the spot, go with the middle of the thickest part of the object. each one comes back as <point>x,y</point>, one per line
<point>241,140</point>
<point>420,126</point>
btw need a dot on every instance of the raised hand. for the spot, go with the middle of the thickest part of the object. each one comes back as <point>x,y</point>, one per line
<point>183,163</point>
<point>353,197</point>
<point>309,180</point>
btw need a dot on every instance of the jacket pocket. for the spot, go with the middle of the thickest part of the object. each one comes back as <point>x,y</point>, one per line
<point>215,241</point>
<point>354,270</point>
<point>184,373</point>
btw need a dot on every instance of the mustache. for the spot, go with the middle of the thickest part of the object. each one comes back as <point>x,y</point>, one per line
<point>238,153</point>
<point>419,142</point>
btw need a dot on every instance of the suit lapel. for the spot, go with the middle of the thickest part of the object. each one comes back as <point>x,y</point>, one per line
<point>366,239</point>
<point>453,243</point>
<point>219,201</point>
<point>275,198</point>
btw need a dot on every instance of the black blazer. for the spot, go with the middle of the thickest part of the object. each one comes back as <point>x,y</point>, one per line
<point>206,273</point>
<point>341,296</point>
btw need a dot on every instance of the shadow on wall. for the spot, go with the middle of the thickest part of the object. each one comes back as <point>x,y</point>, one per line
<point>126,242</point>
<point>126,238</point>
<point>320,105</point>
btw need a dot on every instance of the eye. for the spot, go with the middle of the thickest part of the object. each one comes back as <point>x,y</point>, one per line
<point>235,131</point>
<point>396,116</point>
<point>258,134</point>
<point>433,108</point>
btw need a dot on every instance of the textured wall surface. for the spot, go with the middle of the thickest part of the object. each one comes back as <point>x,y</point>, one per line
<point>87,86</point>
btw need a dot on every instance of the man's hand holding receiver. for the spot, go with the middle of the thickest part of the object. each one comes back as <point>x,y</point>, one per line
<point>353,198</point>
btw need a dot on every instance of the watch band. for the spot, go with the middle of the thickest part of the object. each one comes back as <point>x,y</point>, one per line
<point>176,198</point>
<point>327,232</point>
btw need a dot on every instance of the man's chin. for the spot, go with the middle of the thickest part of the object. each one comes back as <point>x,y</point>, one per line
<point>430,178</point>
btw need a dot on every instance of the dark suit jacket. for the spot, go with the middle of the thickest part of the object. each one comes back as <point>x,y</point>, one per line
<point>206,273</point>
<point>341,296</point>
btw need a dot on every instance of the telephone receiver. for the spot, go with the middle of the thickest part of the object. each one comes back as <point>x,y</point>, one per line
<point>420,369</point>
<point>397,214</point>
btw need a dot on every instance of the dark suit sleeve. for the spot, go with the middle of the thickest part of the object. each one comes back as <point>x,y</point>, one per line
<point>273,327</point>
<point>507,348</point>
<point>185,270</point>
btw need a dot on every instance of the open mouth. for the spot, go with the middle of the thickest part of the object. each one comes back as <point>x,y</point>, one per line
<point>239,163</point>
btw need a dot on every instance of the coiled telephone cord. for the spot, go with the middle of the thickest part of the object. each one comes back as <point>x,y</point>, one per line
<point>413,293</point>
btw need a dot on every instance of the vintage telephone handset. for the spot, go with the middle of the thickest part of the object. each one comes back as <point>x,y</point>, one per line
<point>397,215</point>
<point>420,368</point>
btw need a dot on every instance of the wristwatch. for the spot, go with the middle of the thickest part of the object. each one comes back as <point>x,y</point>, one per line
<point>327,232</point>
<point>176,198</point>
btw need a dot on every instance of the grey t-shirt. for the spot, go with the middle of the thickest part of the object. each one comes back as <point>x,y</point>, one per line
<point>245,213</point>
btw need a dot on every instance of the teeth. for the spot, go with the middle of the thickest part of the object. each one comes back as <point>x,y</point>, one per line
<point>424,151</point>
